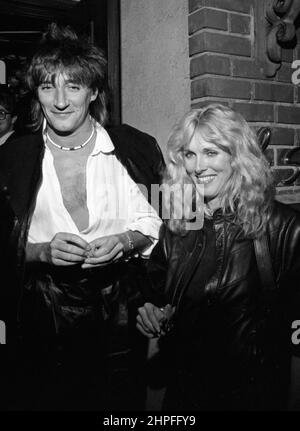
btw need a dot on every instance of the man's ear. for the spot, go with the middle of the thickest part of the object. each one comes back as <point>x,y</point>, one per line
<point>14,119</point>
<point>94,95</point>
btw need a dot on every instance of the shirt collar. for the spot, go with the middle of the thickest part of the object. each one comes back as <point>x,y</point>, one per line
<point>4,138</point>
<point>103,142</point>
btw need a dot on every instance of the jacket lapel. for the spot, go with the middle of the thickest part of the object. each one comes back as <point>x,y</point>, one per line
<point>20,170</point>
<point>185,256</point>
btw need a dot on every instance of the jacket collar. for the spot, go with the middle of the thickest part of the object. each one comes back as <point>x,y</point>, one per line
<point>20,168</point>
<point>103,142</point>
<point>219,215</point>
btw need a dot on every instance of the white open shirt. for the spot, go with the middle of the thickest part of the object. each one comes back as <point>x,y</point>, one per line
<point>115,203</point>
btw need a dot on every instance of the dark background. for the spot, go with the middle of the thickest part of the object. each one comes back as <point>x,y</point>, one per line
<point>23,21</point>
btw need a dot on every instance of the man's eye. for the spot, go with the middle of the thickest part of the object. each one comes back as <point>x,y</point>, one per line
<point>46,86</point>
<point>74,87</point>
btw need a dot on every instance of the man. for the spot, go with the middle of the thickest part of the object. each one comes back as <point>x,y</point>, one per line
<point>7,114</point>
<point>74,224</point>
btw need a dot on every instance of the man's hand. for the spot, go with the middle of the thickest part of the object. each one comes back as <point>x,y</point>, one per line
<point>105,250</point>
<point>64,249</point>
<point>150,319</point>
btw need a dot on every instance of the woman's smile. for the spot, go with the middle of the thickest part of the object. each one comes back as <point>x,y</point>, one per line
<point>207,164</point>
<point>205,179</point>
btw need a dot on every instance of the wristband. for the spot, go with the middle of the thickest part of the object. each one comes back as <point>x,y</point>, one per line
<point>130,243</point>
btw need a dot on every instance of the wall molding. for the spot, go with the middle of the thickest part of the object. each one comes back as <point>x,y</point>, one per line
<point>274,26</point>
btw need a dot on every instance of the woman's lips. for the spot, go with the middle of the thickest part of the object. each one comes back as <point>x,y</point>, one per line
<point>205,179</point>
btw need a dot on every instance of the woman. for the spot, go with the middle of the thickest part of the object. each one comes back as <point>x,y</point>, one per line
<point>231,309</point>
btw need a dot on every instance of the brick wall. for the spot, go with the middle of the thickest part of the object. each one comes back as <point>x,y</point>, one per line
<point>223,68</point>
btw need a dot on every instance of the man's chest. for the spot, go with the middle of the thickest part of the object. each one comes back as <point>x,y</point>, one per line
<point>71,175</point>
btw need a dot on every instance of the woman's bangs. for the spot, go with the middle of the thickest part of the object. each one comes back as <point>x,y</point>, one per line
<point>190,133</point>
<point>204,132</point>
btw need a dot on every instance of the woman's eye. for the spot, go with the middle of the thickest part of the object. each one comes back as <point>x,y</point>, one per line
<point>188,154</point>
<point>211,153</point>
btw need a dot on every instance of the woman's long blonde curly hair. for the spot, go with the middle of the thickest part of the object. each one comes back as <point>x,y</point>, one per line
<point>249,192</point>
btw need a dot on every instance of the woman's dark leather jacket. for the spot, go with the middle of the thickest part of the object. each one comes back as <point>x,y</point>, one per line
<point>252,328</point>
<point>20,179</point>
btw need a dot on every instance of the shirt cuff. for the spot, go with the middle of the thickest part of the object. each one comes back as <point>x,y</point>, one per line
<point>148,229</point>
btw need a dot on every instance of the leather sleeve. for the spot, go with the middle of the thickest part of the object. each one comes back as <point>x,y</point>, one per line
<point>290,280</point>
<point>157,266</point>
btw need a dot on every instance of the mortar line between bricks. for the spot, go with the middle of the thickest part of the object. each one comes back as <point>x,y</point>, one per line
<point>275,155</point>
<point>220,54</point>
<point>220,10</point>
<point>222,32</point>
<point>282,168</point>
<point>252,31</point>
<point>229,22</point>
<point>287,125</point>
<point>240,78</point>
<point>281,147</point>
<point>239,34</point>
<point>285,189</point>
<point>247,102</point>
<point>230,66</point>
<point>209,30</point>
<point>266,123</point>
<point>252,90</point>
<point>227,99</point>
<point>263,81</point>
<point>206,29</point>
<point>275,109</point>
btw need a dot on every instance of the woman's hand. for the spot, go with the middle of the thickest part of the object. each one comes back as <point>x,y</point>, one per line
<point>150,319</point>
<point>64,249</point>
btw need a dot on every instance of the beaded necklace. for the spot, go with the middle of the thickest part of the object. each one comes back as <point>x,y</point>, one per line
<point>61,147</point>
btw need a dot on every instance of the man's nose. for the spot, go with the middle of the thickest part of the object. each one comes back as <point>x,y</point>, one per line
<point>61,101</point>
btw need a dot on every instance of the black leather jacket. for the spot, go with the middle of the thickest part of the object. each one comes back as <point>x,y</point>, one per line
<point>20,179</point>
<point>238,335</point>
